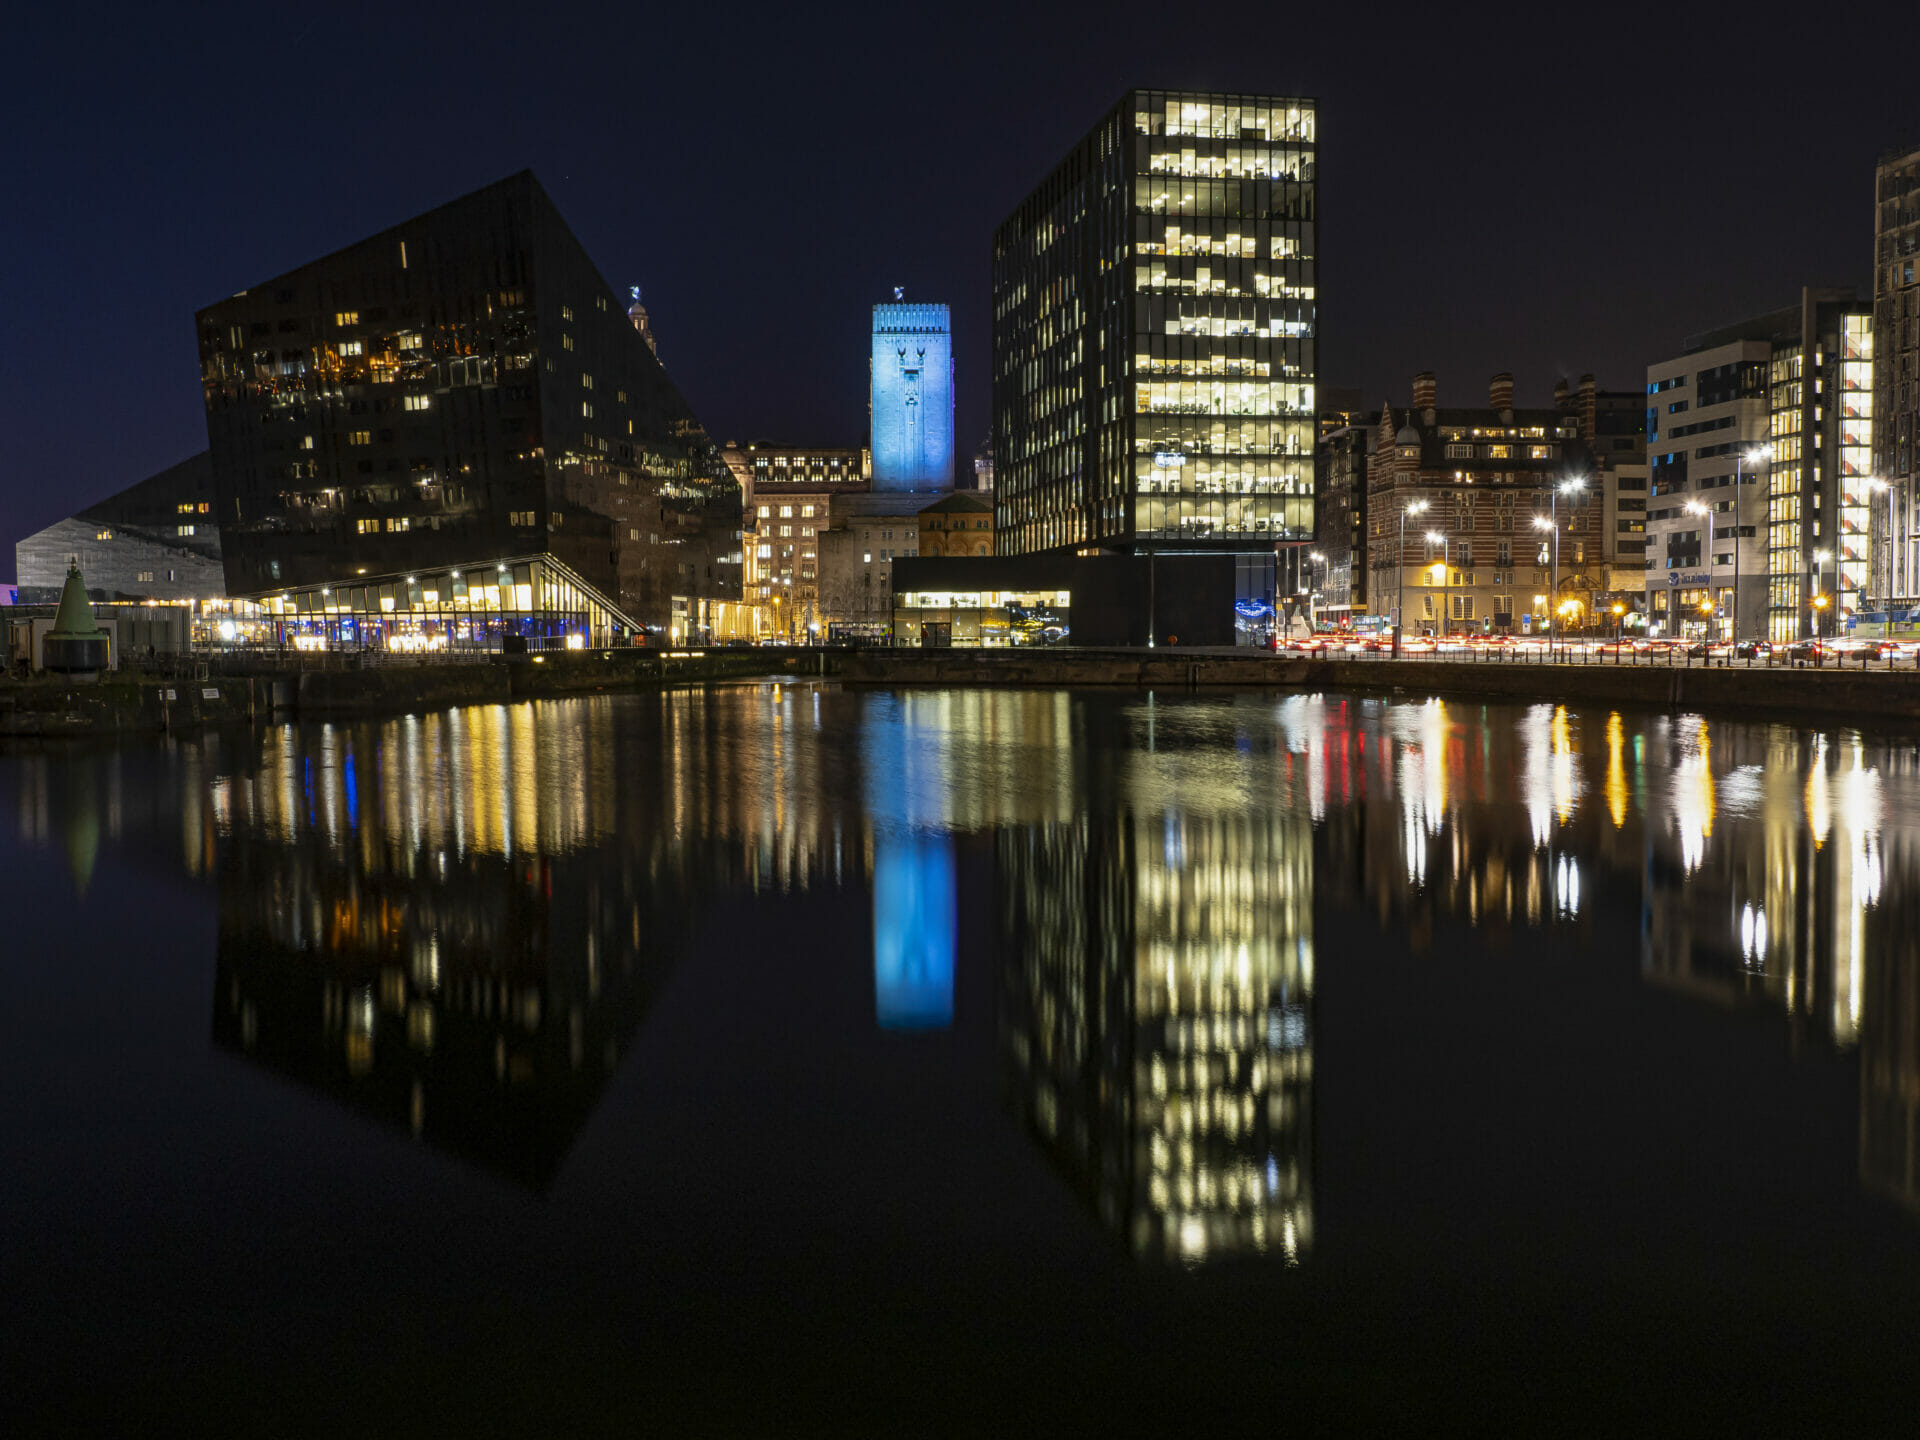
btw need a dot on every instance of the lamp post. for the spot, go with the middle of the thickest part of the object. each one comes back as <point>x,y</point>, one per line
<point>1434,537</point>
<point>1758,455</point>
<point>1874,486</point>
<point>1568,487</point>
<point>1554,593</point>
<point>1694,507</point>
<point>1819,599</point>
<point>1412,507</point>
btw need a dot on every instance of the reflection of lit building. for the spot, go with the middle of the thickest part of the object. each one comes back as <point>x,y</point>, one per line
<point>915,930</point>
<point>483,1006</point>
<point>1156,976</point>
<point>1890,1048</point>
<point>447,957</point>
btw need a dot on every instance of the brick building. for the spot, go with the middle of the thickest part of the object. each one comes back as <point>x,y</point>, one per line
<point>1478,479</point>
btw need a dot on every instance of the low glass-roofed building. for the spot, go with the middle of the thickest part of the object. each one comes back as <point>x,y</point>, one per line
<point>529,602</point>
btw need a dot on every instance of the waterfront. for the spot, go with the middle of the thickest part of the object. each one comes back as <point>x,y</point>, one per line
<point>784,1051</point>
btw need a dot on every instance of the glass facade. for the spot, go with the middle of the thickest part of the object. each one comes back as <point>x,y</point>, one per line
<point>985,618</point>
<point>530,602</point>
<point>465,384</point>
<point>1154,327</point>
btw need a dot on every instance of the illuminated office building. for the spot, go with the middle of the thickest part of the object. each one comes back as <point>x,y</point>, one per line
<point>1154,336</point>
<point>1896,387</point>
<point>911,397</point>
<point>1785,402</point>
<point>461,388</point>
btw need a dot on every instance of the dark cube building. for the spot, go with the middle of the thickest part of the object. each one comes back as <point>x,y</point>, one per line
<point>461,388</point>
<point>1154,336</point>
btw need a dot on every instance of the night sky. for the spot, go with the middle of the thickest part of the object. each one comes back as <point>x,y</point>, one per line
<point>1544,190</point>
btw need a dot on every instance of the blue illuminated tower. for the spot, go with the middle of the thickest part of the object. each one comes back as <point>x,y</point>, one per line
<point>912,397</point>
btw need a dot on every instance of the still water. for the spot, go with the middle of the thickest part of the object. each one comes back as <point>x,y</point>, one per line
<point>864,1062</point>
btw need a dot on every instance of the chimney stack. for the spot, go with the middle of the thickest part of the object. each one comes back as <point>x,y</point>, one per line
<point>1500,391</point>
<point>1589,408</point>
<point>1426,391</point>
<point>1560,394</point>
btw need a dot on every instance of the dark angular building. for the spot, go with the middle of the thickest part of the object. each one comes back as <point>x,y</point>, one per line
<point>156,540</point>
<point>1154,331</point>
<point>458,389</point>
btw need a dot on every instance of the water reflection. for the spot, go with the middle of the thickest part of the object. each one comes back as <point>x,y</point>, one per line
<point>459,924</point>
<point>1156,983</point>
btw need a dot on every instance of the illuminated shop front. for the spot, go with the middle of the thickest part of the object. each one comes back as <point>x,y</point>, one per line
<point>530,602</point>
<point>981,617</point>
<point>1006,600</point>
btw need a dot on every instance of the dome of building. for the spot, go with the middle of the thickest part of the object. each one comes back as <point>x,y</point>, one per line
<point>1407,436</point>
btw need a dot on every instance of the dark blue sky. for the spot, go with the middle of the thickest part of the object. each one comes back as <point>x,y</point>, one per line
<point>1543,190</point>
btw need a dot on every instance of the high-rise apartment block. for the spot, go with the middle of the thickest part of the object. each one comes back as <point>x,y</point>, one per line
<point>1896,356</point>
<point>459,392</point>
<point>1154,335</point>
<point>1760,439</point>
<point>912,397</point>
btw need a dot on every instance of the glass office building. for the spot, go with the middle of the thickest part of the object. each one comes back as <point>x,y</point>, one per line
<point>1154,334</point>
<point>459,389</point>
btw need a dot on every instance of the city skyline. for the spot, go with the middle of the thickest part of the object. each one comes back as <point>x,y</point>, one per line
<point>134,229</point>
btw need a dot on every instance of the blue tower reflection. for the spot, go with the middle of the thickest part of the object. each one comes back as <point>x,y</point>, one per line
<point>915,929</point>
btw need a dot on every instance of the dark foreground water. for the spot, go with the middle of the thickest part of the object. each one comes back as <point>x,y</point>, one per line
<point>783,1060</point>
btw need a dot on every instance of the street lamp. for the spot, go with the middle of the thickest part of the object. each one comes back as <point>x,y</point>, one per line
<point>1434,537</point>
<point>1412,507</point>
<point>1619,621</point>
<point>1742,460</point>
<point>1874,486</point>
<point>1569,486</point>
<point>1694,507</point>
<point>1548,525</point>
<point>1820,557</point>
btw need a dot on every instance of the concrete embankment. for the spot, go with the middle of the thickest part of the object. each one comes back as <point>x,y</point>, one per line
<point>1824,693</point>
<point>126,705</point>
<point>129,703</point>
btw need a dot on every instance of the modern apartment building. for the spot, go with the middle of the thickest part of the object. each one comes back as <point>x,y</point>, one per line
<point>1760,440</point>
<point>1155,320</point>
<point>1896,356</point>
<point>456,390</point>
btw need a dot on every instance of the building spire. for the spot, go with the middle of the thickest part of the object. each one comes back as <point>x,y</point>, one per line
<point>637,313</point>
